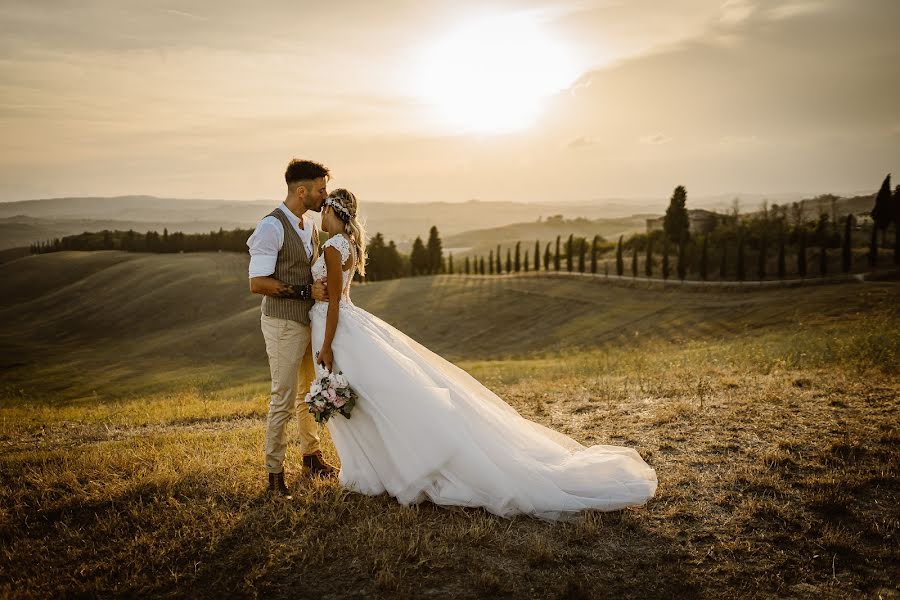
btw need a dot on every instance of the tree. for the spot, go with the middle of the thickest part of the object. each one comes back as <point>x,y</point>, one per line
<point>634,258</point>
<point>782,266</point>
<point>594,254</point>
<point>823,260</point>
<point>450,264</point>
<point>556,259</point>
<point>704,258</point>
<point>801,254</point>
<point>761,257</point>
<point>569,250</point>
<point>582,248</point>
<point>525,265</point>
<point>434,249</point>
<point>723,262</point>
<point>419,261</point>
<point>509,265</point>
<point>499,264</point>
<point>846,245</point>
<point>682,260</point>
<point>881,218</point>
<point>896,211</point>
<point>741,266</point>
<point>620,266</point>
<point>537,255</point>
<point>547,257</point>
<point>648,258</point>
<point>466,267</point>
<point>675,223</point>
<point>665,263</point>
<point>481,265</point>
<point>491,262</point>
<point>517,264</point>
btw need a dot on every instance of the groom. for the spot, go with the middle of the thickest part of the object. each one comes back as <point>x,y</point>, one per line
<point>283,248</point>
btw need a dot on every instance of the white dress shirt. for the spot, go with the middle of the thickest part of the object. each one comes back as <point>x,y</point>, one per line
<point>268,238</point>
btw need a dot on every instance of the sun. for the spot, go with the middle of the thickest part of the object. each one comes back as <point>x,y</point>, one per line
<point>493,74</point>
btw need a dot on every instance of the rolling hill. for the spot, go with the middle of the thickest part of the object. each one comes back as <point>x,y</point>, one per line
<point>81,322</point>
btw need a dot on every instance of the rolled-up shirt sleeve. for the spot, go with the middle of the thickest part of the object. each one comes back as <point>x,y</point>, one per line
<point>264,244</point>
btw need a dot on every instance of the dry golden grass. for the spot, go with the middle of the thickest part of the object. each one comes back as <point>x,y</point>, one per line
<point>777,449</point>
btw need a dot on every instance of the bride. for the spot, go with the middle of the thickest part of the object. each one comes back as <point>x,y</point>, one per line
<point>424,429</point>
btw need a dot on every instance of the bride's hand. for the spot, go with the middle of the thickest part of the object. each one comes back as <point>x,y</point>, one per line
<point>325,357</point>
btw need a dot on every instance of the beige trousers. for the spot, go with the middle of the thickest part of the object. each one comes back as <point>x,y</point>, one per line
<point>289,348</point>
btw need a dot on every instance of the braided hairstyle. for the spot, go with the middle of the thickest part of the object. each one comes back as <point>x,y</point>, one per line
<point>357,231</point>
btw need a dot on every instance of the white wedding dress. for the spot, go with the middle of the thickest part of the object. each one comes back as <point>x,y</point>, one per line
<point>424,429</point>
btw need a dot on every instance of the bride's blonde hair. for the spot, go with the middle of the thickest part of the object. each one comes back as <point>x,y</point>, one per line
<point>352,224</point>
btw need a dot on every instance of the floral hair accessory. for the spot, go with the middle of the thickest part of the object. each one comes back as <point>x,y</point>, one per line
<point>342,212</point>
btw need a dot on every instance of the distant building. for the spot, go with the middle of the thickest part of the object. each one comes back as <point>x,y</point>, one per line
<point>699,221</point>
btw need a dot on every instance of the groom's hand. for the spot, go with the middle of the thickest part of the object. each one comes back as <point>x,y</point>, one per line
<point>320,291</point>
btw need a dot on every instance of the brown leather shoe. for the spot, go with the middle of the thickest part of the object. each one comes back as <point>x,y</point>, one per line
<point>317,465</point>
<point>277,486</point>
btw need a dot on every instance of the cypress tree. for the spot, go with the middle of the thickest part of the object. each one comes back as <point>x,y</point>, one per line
<point>582,247</point>
<point>762,258</point>
<point>481,266</point>
<point>648,258</point>
<point>723,262</point>
<point>509,265</point>
<point>782,261</point>
<point>595,248</point>
<point>517,265</point>
<point>569,250</point>
<point>665,264</point>
<point>450,263</point>
<point>823,260</point>
<point>499,264</point>
<point>801,254</point>
<point>537,255</point>
<point>634,258</point>
<point>881,218</point>
<point>704,258</point>
<point>675,223</point>
<point>557,259</point>
<point>435,251</point>
<point>467,265</point>
<point>547,257</point>
<point>620,266</point>
<point>682,264</point>
<point>846,245</point>
<point>526,261</point>
<point>491,262</point>
<point>896,214</point>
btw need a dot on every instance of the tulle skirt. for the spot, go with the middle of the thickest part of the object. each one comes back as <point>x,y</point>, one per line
<point>424,429</point>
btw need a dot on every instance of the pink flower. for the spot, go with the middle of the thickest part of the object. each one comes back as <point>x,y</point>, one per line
<point>330,394</point>
<point>339,402</point>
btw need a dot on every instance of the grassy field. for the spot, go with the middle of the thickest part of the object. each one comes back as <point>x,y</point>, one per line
<point>134,393</point>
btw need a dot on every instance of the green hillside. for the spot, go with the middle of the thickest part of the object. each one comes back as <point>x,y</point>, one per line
<point>481,241</point>
<point>75,323</point>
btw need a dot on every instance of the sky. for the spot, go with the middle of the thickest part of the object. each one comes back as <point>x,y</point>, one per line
<point>409,101</point>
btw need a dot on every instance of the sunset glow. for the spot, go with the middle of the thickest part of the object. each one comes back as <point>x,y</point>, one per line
<point>492,75</point>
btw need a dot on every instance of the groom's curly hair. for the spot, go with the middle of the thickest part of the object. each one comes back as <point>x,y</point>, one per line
<point>304,170</point>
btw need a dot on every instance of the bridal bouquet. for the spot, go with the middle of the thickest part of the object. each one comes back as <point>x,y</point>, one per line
<point>328,394</point>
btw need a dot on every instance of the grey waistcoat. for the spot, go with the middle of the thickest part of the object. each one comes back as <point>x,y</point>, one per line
<point>295,268</point>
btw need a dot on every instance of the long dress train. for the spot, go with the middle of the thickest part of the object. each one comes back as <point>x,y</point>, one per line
<point>424,429</point>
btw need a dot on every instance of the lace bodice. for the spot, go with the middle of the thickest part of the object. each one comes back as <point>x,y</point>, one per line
<point>342,244</point>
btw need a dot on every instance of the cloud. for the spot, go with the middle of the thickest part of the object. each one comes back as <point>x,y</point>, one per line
<point>739,140</point>
<point>734,12</point>
<point>581,142</point>
<point>656,139</point>
<point>787,11</point>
